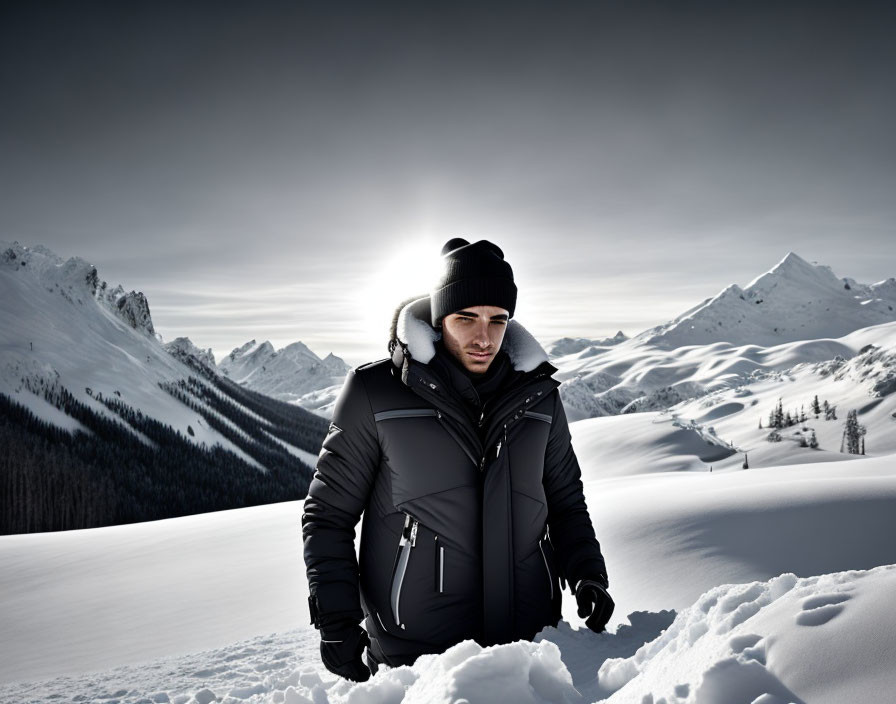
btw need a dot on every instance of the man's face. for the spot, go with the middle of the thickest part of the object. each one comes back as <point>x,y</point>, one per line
<point>474,335</point>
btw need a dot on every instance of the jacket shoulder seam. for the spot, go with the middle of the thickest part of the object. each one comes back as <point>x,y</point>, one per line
<point>370,415</point>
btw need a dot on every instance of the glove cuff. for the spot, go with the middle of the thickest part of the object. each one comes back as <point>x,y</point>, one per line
<point>598,580</point>
<point>339,631</point>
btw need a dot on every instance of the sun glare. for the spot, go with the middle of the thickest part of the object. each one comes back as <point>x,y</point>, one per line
<point>411,270</point>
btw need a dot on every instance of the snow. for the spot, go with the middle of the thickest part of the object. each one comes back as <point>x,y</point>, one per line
<point>795,300</point>
<point>762,585</point>
<point>293,374</point>
<point>92,599</point>
<point>793,314</point>
<point>57,319</point>
<point>786,640</point>
<point>702,529</point>
<point>52,328</point>
<point>218,601</point>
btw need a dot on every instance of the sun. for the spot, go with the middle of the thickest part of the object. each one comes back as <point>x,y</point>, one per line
<point>412,269</point>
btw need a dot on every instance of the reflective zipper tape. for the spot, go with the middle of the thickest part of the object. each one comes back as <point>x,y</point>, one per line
<point>407,542</point>
<point>547,568</point>
<point>404,413</point>
<point>538,416</point>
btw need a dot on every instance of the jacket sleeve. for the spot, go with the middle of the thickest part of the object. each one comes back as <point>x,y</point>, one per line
<point>338,494</point>
<point>571,529</point>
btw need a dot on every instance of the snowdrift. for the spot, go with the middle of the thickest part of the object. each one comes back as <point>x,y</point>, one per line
<point>825,639</point>
<point>803,554</point>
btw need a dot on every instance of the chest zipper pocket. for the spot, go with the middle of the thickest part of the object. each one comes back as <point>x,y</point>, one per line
<point>405,545</point>
<point>544,417</point>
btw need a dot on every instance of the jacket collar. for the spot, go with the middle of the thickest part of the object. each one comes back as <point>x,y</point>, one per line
<point>413,336</point>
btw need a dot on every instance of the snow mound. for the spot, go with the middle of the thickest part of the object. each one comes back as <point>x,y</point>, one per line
<point>824,639</point>
<point>521,672</point>
<point>770,642</point>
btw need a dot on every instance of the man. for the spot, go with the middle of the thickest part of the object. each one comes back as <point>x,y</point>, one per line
<point>457,451</point>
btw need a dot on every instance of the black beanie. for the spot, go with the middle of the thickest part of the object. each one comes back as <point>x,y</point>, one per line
<point>473,275</point>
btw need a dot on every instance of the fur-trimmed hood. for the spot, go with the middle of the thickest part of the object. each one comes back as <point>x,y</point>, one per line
<point>412,335</point>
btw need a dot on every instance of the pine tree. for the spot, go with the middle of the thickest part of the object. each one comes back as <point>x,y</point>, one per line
<point>746,464</point>
<point>816,409</point>
<point>853,434</point>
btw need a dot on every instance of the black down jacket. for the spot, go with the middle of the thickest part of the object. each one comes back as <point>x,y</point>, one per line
<point>461,538</point>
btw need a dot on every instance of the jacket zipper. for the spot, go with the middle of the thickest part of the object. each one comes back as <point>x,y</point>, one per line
<point>440,566</point>
<point>408,541</point>
<point>546,567</point>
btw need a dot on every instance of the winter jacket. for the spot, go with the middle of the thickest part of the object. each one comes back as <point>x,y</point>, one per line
<point>468,527</point>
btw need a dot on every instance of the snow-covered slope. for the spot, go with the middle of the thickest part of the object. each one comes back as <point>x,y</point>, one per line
<point>582,346</point>
<point>637,377</point>
<point>68,340</point>
<point>59,322</point>
<point>722,428</point>
<point>293,373</point>
<point>149,592</point>
<point>795,313</point>
<point>794,301</point>
<point>765,585</point>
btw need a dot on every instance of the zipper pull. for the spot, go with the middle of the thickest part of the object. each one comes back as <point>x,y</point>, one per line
<point>414,533</point>
<point>405,533</point>
<point>501,442</point>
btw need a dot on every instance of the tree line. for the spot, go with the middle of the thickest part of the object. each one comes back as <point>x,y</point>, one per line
<point>853,441</point>
<point>106,474</point>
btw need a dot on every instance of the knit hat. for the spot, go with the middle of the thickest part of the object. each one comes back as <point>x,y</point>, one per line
<point>473,275</point>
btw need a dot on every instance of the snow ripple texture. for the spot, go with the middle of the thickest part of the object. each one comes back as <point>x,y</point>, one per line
<point>737,644</point>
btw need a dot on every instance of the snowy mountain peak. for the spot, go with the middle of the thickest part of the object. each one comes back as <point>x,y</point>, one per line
<point>299,351</point>
<point>793,270</point>
<point>49,268</point>
<point>133,308</point>
<point>75,278</point>
<point>795,300</point>
<point>286,374</point>
<point>250,350</point>
<point>792,259</point>
<point>184,349</point>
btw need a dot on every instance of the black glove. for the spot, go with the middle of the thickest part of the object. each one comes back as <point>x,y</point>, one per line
<point>341,649</point>
<point>595,602</point>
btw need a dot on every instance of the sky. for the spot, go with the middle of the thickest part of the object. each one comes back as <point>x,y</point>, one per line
<point>289,171</point>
